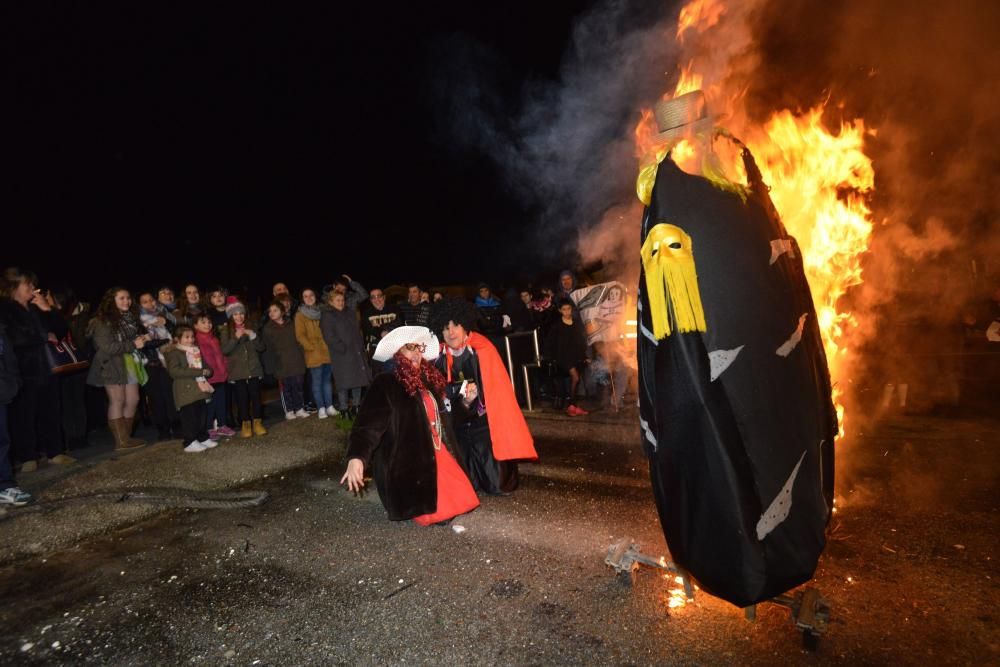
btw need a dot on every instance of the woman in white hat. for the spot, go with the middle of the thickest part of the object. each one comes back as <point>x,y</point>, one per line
<point>403,431</point>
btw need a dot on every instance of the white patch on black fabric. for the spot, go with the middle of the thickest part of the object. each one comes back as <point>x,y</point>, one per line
<point>789,345</point>
<point>647,432</point>
<point>780,506</point>
<point>719,360</point>
<point>779,247</point>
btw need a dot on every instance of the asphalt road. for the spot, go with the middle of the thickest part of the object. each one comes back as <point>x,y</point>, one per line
<point>318,576</point>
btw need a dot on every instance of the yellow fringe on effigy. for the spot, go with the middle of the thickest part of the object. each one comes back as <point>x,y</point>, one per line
<point>668,262</point>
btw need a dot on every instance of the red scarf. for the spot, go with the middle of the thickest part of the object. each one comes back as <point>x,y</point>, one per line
<point>509,432</point>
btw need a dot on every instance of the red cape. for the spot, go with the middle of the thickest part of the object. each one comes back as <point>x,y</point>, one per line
<point>509,432</point>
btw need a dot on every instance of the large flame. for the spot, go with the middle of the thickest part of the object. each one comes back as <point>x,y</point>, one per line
<point>819,180</point>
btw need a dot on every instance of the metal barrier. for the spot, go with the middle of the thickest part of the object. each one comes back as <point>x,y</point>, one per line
<point>537,363</point>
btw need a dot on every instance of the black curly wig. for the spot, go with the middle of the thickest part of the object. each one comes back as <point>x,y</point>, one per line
<point>452,309</point>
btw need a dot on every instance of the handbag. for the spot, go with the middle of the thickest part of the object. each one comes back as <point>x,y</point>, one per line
<point>63,356</point>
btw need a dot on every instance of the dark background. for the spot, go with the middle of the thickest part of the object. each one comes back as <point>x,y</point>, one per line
<point>223,142</point>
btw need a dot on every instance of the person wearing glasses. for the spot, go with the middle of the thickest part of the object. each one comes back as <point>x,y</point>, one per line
<point>403,432</point>
<point>377,319</point>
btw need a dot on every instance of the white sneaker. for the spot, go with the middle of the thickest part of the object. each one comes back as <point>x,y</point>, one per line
<point>322,413</point>
<point>208,444</point>
<point>195,447</point>
<point>289,415</point>
<point>331,411</point>
<point>302,414</point>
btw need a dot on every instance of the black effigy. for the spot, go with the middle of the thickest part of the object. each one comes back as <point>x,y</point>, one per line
<point>736,414</point>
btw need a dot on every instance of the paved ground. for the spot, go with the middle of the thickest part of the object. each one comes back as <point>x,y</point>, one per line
<point>317,576</point>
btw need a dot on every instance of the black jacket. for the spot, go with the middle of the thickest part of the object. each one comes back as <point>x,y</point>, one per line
<point>393,438</point>
<point>374,322</point>
<point>10,378</point>
<point>27,330</point>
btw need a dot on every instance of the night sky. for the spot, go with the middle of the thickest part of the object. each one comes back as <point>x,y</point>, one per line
<point>220,142</point>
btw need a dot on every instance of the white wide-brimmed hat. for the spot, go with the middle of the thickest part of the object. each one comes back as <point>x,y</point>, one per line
<point>397,338</point>
<point>682,116</point>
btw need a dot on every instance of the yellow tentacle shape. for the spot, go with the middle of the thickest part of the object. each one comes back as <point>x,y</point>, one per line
<point>671,281</point>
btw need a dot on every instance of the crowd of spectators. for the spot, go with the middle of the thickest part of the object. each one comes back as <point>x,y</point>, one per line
<point>195,367</point>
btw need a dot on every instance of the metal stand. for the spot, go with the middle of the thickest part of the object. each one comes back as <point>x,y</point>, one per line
<point>537,363</point>
<point>810,612</point>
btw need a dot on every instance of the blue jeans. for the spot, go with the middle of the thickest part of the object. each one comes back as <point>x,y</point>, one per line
<point>6,471</point>
<point>322,389</point>
<point>218,407</point>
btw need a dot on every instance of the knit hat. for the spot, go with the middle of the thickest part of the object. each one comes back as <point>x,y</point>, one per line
<point>234,306</point>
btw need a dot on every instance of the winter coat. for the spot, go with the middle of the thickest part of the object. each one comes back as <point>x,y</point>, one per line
<point>211,354</point>
<point>347,349</point>
<point>186,389</point>
<point>393,438</point>
<point>10,377</point>
<point>310,337</point>
<point>242,355</point>
<point>280,339</point>
<point>108,365</point>
<point>27,332</point>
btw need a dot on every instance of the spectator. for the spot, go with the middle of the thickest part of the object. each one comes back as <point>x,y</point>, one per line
<point>404,425</point>
<point>436,296</point>
<point>158,322</point>
<point>522,315</point>
<point>279,337</point>
<point>10,383</point>
<point>352,290</point>
<point>190,375</point>
<point>347,352</point>
<point>546,314</point>
<point>415,312</point>
<point>567,283</point>
<point>34,413</point>
<point>566,345</point>
<point>165,296</point>
<point>217,411</point>
<point>217,306</point>
<point>281,293</point>
<point>191,307</point>
<point>242,347</point>
<point>118,336</point>
<point>310,337</point>
<point>378,319</point>
<point>489,315</point>
<point>73,386</point>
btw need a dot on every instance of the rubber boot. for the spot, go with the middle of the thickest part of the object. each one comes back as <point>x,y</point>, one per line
<point>117,427</point>
<point>133,442</point>
<point>246,430</point>
<point>258,427</point>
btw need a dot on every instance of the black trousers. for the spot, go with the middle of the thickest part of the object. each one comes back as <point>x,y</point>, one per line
<point>485,472</point>
<point>161,398</point>
<point>247,397</point>
<point>34,421</point>
<point>193,422</point>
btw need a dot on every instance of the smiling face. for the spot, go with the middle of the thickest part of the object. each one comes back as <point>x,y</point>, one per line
<point>123,300</point>
<point>454,336</point>
<point>147,301</point>
<point>413,295</point>
<point>165,295</point>
<point>203,324</point>
<point>336,300</point>
<point>239,319</point>
<point>186,337</point>
<point>309,297</point>
<point>192,294</point>
<point>377,298</point>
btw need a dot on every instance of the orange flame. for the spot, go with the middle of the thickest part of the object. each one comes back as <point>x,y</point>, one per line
<point>819,183</point>
<point>699,15</point>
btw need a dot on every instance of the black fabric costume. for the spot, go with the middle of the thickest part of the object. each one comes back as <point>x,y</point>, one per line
<point>471,427</point>
<point>393,438</point>
<point>731,445</point>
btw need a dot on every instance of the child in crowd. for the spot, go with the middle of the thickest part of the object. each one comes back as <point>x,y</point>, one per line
<point>191,388</point>
<point>310,337</point>
<point>279,337</point>
<point>158,322</point>
<point>217,306</point>
<point>211,352</point>
<point>566,345</point>
<point>242,347</point>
